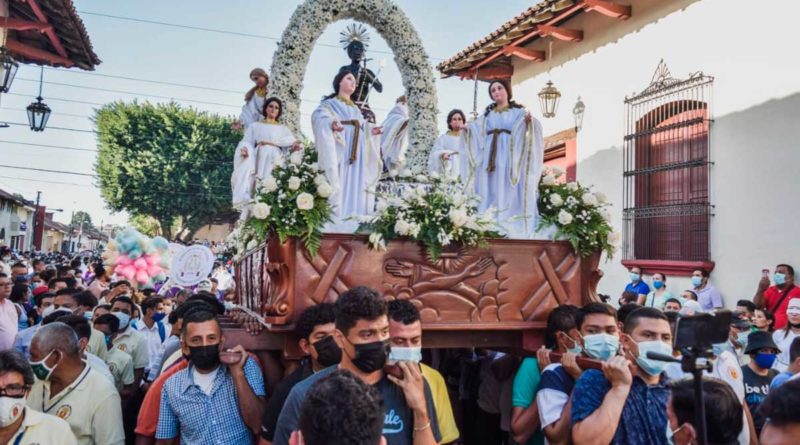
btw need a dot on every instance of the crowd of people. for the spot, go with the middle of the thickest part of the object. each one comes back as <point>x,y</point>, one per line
<point>89,359</point>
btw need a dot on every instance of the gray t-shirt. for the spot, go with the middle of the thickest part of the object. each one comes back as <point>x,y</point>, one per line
<point>398,426</point>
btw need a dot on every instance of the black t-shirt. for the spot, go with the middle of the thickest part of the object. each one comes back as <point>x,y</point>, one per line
<point>398,420</point>
<point>756,389</point>
<point>278,398</point>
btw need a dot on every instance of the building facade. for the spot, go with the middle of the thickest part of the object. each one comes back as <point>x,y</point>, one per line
<point>689,128</point>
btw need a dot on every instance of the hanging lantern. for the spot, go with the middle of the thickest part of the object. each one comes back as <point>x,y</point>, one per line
<point>38,112</point>
<point>548,100</point>
<point>8,69</point>
<point>577,113</point>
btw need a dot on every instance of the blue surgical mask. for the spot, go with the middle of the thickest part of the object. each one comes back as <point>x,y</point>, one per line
<point>741,338</point>
<point>658,284</point>
<point>652,366</point>
<point>405,354</point>
<point>124,319</point>
<point>576,346</point>
<point>635,277</point>
<point>765,360</point>
<point>109,341</point>
<point>158,316</point>
<point>671,433</point>
<point>88,315</point>
<point>779,279</point>
<point>697,281</point>
<point>601,346</point>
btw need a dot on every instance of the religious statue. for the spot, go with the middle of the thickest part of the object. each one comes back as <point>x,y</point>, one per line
<point>260,149</point>
<point>394,140</point>
<point>349,153</point>
<point>355,40</point>
<point>254,98</point>
<point>510,154</point>
<point>452,154</point>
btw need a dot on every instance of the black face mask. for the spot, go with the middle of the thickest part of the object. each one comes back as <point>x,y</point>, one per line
<point>328,352</point>
<point>205,358</point>
<point>371,357</point>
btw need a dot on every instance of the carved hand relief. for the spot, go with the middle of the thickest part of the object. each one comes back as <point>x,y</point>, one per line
<point>509,281</point>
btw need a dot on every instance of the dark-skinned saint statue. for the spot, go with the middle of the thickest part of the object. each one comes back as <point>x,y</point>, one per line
<point>355,40</point>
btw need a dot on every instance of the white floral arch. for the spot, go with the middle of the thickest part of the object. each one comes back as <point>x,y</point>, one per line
<point>306,25</point>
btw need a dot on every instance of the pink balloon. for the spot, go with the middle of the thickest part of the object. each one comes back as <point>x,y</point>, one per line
<point>118,269</point>
<point>142,277</point>
<point>129,271</point>
<point>154,270</point>
<point>123,260</point>
<point>140,264</point>
<point>153,258</point>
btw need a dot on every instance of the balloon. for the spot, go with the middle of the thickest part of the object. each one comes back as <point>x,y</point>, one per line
<point>112,245</point>
<point>122,260</point>
<point>142,277</point>
<point>164,263</point>
<point>140,264</point>
<point>129,271</point>
<point>135,252</point>
<point>153,270</point>
<point>160,243</point>
<point>153,259</point>
<point>161,277</point>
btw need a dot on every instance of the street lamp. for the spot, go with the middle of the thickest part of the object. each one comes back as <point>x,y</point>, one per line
<point>38,112</point>
<point>8,69</point>
<point>577,113</point>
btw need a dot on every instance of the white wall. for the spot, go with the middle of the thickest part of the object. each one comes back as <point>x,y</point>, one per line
<point>757,78</point>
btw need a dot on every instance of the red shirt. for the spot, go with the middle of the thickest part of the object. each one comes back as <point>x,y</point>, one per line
<point>147,422</point>
<point>772,295</point>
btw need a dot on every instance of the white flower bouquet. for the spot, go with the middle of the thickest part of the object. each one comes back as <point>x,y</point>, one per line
<point>579,214</point>
<point>436,213</point>
<point>292,202</point>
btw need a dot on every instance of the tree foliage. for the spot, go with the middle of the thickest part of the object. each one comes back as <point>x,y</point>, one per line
<point>165,161</point>
<point>81,217</point>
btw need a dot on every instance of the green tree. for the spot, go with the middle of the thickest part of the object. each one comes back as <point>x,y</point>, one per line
<point>165,161</point>
<point>146,224</point>
<point>81,217</point>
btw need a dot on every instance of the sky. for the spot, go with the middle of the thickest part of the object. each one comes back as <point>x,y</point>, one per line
<point>205,60</point>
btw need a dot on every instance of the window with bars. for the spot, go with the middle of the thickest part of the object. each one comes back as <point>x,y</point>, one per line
<point>666,155</point>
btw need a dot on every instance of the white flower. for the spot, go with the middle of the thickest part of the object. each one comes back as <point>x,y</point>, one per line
<point>605,214</point>
<point>261,210</point>
<point>614,238</point>
<point>406,172</point>
<point>549,179</point>
<point>444,238</point>
<point>458,217</point>
<point>296,157</point>
<point>434,175</point>
<point>294,182</point>
<point>324,190</point>
<point>589,199</point>
<point>564,217</point>
<point>269,184</point>
<point>252,244</point>
<point>421,178</point>
<point>401,227</point>
<point>413,229</point>
<point>376,241</point>
<point>319,179</point>
<point>556,199</point>
<point>601,197</point>
<point>572,186</point>
<point>314,166</point>
<point>556,171</point>
<point>305,201</point>
<point>393,173</point>
<point>381,205</point>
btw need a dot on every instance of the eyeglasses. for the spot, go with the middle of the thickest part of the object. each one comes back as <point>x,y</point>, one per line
<point>14,391</point>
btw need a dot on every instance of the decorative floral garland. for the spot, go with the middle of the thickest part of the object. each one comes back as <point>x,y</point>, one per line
<point>306,25</point>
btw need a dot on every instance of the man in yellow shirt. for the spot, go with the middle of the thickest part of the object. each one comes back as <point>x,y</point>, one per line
<point>22,425</point>
<point>119,363</point>
<point>68,388</point>
<point>405,332</point>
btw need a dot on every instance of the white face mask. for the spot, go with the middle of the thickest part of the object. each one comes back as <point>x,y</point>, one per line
<point>48,310</point>
<point>10,410</point>
<point>405,354</point>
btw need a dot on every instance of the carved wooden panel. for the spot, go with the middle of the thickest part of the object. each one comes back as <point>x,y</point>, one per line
<point>510,284</point>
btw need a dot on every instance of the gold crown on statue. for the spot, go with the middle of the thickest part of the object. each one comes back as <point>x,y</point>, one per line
<point>355,32</point>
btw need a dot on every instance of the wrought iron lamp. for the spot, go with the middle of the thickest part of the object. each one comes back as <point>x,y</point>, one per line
<point>8,69</point>
<point>577,113</point>
<point>38,112</point>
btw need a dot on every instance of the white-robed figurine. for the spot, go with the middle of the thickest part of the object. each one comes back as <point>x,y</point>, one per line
<point>349,153</point>
<point>511,153</point>
<point>261,148</point>
<point>394,139</point>
<point>452,154</point>
<point>253,109</point>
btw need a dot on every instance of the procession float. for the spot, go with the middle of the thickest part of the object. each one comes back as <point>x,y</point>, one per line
<point>485,253</point>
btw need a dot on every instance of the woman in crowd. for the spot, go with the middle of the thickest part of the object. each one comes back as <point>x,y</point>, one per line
<point>659,295</point>
<point>763,320</point>
<point>783,337</point>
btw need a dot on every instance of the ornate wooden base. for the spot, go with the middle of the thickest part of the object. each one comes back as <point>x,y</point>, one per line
<point>498,296</point>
